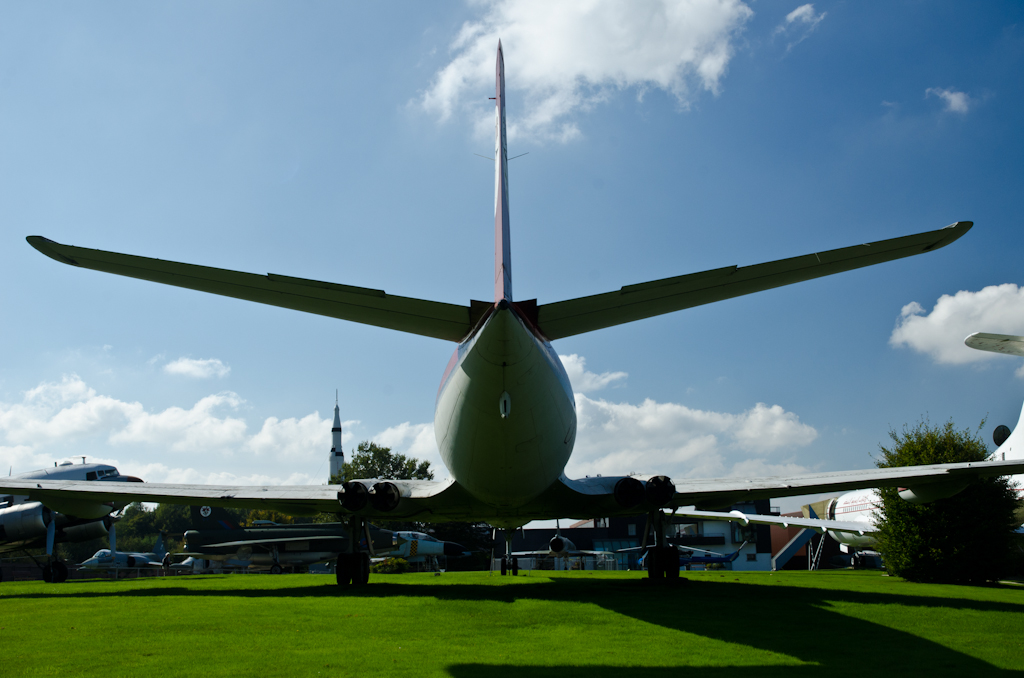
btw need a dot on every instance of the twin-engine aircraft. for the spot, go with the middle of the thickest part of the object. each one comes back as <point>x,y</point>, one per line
<point>29,524</point>
<point>505,416</point>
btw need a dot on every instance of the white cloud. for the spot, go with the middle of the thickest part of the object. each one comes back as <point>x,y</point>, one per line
<point>414,440</point>
<point>940,334</point>
<point>197,369</point>
<point>956,102</point>
<point>800,23</point>
<point>210,443</point>
<point>679,441</point>
<point>564,57</point>
<point>587,382</point>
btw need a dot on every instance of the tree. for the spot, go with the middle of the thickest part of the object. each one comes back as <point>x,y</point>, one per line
<point>964,538</point>
<point>374,461</point>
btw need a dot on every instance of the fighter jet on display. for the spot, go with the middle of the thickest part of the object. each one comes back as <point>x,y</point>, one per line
<point>112,559</point>
<point>505,416</point>
<point>419,546</point>
<point>27,524</point>
<point>270,546</point>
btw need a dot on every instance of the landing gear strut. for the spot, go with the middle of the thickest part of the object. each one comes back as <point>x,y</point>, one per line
<point>662,558</point>
<point>353,567</point>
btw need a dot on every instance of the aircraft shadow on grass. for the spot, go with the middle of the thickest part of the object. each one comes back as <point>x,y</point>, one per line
<point>799,623</point>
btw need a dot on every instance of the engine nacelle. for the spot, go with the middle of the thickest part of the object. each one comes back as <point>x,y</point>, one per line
<point>629,492</point>
<point>86,531</point>
<point>385,496</point>
<point>659,490</point>
<point>354,496</point>
<point>930,492</point>
<point>24,521</point>
<point>78,508</point>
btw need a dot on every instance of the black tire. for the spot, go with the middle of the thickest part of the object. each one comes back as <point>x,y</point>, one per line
<point>671,561</point>
<point>654,567</point>
<point>515,566</point>
<point>361,576</point>
<point>60,572</point>
<point>343,569</point>
<point>48,574</point>
<point>276,569</point>
<point>504,566</point>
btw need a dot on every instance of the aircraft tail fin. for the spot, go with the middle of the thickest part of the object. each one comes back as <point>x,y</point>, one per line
<point>502,245</point>
<point>160,549</point>
<point>213,518</point>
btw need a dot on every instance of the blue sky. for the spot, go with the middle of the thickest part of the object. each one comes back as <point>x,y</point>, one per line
<point>336,142</point>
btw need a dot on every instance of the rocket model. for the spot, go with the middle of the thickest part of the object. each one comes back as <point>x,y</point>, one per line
<point>337,455</point>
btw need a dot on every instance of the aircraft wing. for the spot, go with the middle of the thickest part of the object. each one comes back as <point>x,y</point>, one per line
<point>817,524</point>
<point>634,302</point>
<point>437,501</point>
<point>1008,344</point>
<point>358,304</point>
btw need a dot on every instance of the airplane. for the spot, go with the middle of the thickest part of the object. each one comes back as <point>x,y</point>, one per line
<point>26,524</point>
<point>272,546</point>
<point>505,415</point>
<point>687,559</point>
<point>419,546</point>
<point>560,548</point>
<point>862,506</point>
<point>112,559</point>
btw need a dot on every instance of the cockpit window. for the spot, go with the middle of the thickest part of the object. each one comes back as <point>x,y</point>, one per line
<point>90,475</point>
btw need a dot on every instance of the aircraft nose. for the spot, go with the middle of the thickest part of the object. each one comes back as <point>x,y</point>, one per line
<point>453,549</point>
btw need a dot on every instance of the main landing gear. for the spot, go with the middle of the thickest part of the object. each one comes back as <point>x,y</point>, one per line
<point>662,559</point>
<point>353,567</point>
<point>55,572</point>
<point>509,565</point>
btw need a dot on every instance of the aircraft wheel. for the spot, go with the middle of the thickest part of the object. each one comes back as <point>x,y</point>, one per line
<point>654,566</point>
<point>515,566</point>
<point>48,574</point>
<point>276,569</point>
<point>60,572</point>
<point>671,561</point>
<point>361,575</point>
<point>504,566</point>
<point>343,569</point>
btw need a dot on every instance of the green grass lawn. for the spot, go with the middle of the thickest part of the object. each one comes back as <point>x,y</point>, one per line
<point>601,625</point>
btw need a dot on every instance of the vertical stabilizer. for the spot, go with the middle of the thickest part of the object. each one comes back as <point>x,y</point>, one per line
<point>502,247</point>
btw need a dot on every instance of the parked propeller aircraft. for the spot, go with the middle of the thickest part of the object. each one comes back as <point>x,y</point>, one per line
<point>271,546</point>
<point>505,417</point>
<point>27,524</point>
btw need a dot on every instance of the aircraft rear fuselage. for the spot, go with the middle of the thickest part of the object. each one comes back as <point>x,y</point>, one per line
<point>505,419</point>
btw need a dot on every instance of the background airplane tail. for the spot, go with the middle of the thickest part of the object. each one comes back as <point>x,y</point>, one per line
<point>213,518</point>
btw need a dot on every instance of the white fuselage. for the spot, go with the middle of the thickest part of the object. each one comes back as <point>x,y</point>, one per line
<point>505,419</point>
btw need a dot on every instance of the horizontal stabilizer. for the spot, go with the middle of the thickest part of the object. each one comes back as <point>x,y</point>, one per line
<point>645,300</point>
<point>357,304</point>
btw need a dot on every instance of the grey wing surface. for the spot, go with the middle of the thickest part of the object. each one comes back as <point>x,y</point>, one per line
<point>588,497</point>
<point>645,300</point>
<point>357,304</point>
<point>1007,344</point>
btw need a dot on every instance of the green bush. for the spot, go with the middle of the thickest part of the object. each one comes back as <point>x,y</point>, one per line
<point>966,538</point>
<point>390,566</point>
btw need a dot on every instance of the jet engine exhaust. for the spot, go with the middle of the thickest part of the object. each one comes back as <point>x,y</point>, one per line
<point>629,492</point>
<point>557,544</point>
<point>659,490</point>
<point>385,497</point>
<point>354,496</point>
